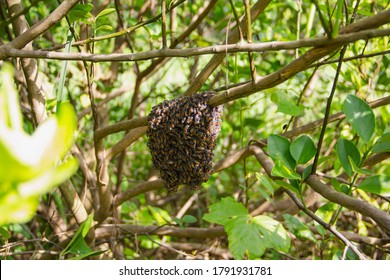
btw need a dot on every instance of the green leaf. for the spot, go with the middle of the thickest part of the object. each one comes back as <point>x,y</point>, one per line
<point>10,114</point>
<point>244,238</point>
<point>346,150</point>
<point>273,233</point>
<point>382,145</point>
<point>51,178</point>
<point>81,12</point>
<point>31,165</point>
<point>189,219</point>
<point>298,228</point>
<point>360,116</point>
<point>339,15</point>
<point>105,12</point>
<point>223,211</point>
<point>303,149</point>
<point>89,254</point>
<point>288,186</point>
<point>4,233</point>
<point>269,186</point>
<point>281,170</point>
<point>102,21</point>
<point>279,149</point>
<point>378,184</point>
<point>357,169</point>
<point>266,182</point>
<point>77,245</point>
<point>307,171</point>
<point>247,235</point>
<point>325,212</point>
<point>104,29</point>
<point>340,187</point>
<point>161,216</point>
<point>286,104</point>
<point>178,221</point>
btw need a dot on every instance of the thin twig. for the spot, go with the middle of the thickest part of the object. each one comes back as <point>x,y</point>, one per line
<point>237,19</point>
<point>216,49</point>
<point>327,111</point>
<point>39,28</point>
<point>322,19</point>
<point>164,23</point>
<point>119,33</point>
<point>332,229</point>
<point>249,39</point>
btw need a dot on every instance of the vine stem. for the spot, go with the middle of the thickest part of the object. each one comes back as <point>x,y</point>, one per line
<point>327,110</point>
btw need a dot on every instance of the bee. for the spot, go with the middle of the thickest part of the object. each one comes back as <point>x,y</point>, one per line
<point>182,135</point>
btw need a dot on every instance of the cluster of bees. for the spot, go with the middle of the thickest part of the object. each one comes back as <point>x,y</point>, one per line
<point>182,136</point>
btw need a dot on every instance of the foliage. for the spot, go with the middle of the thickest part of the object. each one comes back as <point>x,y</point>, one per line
<point>29,164</point>
<point>248,236</point>
<point>106,61</point>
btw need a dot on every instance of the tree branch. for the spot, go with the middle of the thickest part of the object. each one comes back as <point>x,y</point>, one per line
<point>216,49</point>
<point>29,35</point>
<point>314,181</point>
<point>36,95</point>
<point>106,230</point>
<point>298,64</point>
<point>217,59</point>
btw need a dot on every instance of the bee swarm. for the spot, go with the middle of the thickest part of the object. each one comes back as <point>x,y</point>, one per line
<point>182,135</point>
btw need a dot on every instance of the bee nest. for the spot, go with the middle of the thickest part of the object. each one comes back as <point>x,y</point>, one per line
<point>182,136</point>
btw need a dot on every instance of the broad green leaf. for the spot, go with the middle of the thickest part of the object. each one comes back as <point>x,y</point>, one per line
<point>145,217</point>
<point>357,169</point>
<point>345,150</point>
<point>51,178</point>
<point>161,216</point>
<point>223,211</point>
<point>266,182</point>
<point>286,104</point>
<point>307,171</point>
<point>178,221</point>
<point>81,12</point>
<point>189,219</point>
<point>325,212</point>
<point>26,156</point>
<point>244,238</point>
<point>382,145</point>
<point>253,122</point>
<point>105,12</point>
<point>77,245</point>
<point>104,29</point>
<point>340,187</point>
<point>4,233</point>
<point>298,228</point>
<point>303,149</point>
<point>10,115</point>
<point>264,194</point>
<point>279,149</point>
<point>378,184</point>
<point>247,235</point>
<point>288,186</point>
<point>31,165</point>
<point>360,116</point>
<point>273,233</point>
<point>16,208</point>
<point>281,170</point>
